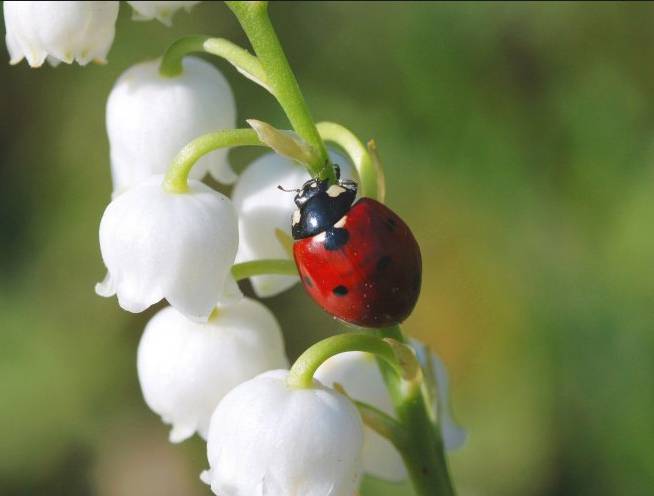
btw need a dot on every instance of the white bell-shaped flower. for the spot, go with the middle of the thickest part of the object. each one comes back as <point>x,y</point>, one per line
<point>151,117</point>
<point>262,209</point>
<point>178,246</point>
<point>161,11</point>
<point>266,438</point>
<point>358,373</point>
<point>59,31</point>
<point>185,368</point>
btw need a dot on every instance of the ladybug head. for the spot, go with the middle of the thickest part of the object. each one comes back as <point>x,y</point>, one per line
<point>321,205</point>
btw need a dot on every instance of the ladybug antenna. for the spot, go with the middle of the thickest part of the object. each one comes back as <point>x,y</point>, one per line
<point>288,190</point>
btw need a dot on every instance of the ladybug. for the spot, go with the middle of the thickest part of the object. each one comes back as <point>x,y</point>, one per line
<point>357,259</point>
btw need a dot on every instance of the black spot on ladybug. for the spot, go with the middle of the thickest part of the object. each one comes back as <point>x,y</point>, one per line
<point>336,238</point>
<point>383,263</point>
<point>390,224</point>
<point>340,290</point>
<point>308,281</point>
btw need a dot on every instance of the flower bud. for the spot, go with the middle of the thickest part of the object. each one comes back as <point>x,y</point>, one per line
<point>59,31</point>
<point>178,246</point>
<point>359,375</point>
<point>185,368</point>
<point>161,11</point>
<point>266,438</point>
<point>150,118</point>
<point>262,208</point>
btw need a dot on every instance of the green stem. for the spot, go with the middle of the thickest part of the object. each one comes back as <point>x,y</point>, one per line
<point>244,61</point>
<point>384,425</point>
<point>253,17</point>
<point>424,454</point>
<point>302,371</point>
<point>358,153</point>
<point>282,267</point>
<point>176,180</point>
<point>171,61</point>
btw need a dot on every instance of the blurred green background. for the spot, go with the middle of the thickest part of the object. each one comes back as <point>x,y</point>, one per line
<point>518,141</point>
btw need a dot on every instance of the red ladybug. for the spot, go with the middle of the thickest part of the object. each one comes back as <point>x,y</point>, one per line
<point>359,262</point>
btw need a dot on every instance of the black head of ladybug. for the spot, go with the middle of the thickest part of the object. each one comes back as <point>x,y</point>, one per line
<point>320,205</point>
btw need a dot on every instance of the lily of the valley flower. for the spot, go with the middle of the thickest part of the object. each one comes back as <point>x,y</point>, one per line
<point>262,208</point>
<point>151,117</point>
<point>185,368</point>
<point>157,245</point>
<point>59,31</point>
<point>267,438</point>
<point>162,11</point>
<point>358,373</point>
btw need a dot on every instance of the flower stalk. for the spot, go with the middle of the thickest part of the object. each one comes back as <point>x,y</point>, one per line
<point>176,179</point>
<point>400,363</point>
<point>383,424</point>
<point>424,454</point>
<point>280,267</point>
<point>246,63</point>
<point>253,17</point>
<point>344,138</point>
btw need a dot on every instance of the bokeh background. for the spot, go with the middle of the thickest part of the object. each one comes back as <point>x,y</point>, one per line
<point>518,141</point>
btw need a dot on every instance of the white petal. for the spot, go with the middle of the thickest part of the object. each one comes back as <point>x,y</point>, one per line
<point>60,31</point>
<point>15,53</point>
<point>185,368</point>
<point>175,246</point>
<point>181,432</point>
<point>262,208</point>
<point>150,118</point>
<point>267,438</point>
<point>205,476</point>
<point>105,287</point>
<point>162,11</point>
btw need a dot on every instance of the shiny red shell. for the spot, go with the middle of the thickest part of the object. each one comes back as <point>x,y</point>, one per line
<point>366,270</point>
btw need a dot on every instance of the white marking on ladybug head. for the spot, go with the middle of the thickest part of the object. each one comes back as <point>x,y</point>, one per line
<point>335,190</point>
<point>296,216</point>
<point>341,222</point>
<point>320,238</point>
<point>313,185</point>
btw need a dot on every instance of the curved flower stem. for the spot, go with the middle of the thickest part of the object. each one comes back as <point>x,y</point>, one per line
<point>171,61</point>
<point>280,266</point>
<point>384,425</point>
<point>246,63</point>
<point>253,17</point>
<point>424,454</point>
<point>345,139</point>
<point>176,179</point>
<point>302,371</point>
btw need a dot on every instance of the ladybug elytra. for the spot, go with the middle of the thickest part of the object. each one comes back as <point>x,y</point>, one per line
<point>358,260</point>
